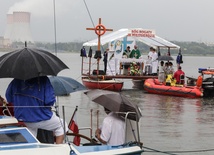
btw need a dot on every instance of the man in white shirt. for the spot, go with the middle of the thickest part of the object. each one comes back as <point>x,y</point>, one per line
<point>112,131</point>
<point>150,53</point>
<point>154,62</point>
<point>161,74</point>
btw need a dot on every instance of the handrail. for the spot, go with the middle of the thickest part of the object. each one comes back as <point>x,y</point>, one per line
<point>93,141</point>
<point>137,139</point>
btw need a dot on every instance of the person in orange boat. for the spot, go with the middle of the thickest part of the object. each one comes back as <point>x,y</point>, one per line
<point>161,73</point>
<point>179,76</point>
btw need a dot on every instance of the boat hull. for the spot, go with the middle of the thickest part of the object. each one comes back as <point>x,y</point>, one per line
<point>16,140</point>
<point>113,85</point>
<point>138,84</point>
<point>106,150</point>
<point>153,86</point>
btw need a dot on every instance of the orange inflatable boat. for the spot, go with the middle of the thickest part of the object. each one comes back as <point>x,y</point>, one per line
<point>155,87</point>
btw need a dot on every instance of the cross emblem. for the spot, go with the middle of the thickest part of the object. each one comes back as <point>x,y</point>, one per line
<point>99,30</point>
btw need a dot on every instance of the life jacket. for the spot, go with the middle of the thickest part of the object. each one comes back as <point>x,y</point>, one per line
<point>168,79</point>
<point>199,81</point>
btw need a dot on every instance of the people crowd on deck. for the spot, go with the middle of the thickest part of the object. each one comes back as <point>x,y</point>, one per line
<point>152,63</point>
<point>168,76</point>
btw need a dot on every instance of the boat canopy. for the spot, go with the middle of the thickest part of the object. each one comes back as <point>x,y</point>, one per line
<point>148,37</point>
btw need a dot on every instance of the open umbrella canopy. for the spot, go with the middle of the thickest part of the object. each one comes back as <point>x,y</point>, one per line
<point>115,102</point>
<point>28,63</point>
<point>165,58</point>
<point>65,85</point>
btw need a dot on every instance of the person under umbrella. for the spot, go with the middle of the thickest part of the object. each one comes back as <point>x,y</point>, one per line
<point>112,131</point>
<point>32,100</point>
<point>115,102</point>
<point>29,63</point>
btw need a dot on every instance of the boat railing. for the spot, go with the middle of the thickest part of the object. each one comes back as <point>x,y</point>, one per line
<point>134,129</point>
<point>131,126</point>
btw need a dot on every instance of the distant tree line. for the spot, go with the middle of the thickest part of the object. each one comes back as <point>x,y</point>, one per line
<point>187,48</point>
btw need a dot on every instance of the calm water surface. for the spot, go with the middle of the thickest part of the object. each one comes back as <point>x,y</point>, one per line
<point>168,123</point>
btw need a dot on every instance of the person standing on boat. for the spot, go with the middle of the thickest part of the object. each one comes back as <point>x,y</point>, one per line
<point>83,52</point>
<point>179,59</point>
<point>32,100</point>
<point>125,65</point>
<point>161,73</point>
<point>135,53</point>
<point>150,53</point>
<point>170,68</point>
<point>112,131</point>
<point>127,52</point>
<point>154,62</point>
<point>177,75</point>
<point>105,59</point>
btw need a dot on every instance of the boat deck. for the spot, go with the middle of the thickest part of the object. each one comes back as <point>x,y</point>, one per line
<point>120,76</point>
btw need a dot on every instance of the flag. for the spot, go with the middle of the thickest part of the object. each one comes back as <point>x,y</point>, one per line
<point>74,127</point>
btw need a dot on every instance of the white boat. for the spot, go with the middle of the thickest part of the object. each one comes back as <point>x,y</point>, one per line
<point>19,141</point>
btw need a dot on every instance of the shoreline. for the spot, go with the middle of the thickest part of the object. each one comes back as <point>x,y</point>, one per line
<point>204,54</point>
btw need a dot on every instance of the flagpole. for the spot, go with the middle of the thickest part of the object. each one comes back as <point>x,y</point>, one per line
<point>73,115</point>
<point>73,127</point>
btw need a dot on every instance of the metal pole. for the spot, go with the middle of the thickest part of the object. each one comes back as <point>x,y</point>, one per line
<point>82,66</point>
<point>91,125</point>
<point>63,113</point>
<point>97,119</point>
<point>55,26</point>
<point>90,66</point>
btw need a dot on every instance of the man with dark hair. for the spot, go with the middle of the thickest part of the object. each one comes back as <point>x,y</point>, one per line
<point>127,52</point>
<point>161,73</point>
<point>178,75</point>
<point>105,59</point>
<point>150,53</point>
<point>179,59</point>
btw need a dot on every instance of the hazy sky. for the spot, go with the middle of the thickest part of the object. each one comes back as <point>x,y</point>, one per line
<point>174,20</point>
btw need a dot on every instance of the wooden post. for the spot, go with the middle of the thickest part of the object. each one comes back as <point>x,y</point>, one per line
<point>82,66</point>
<point>99,30</point>
<point>91,131</point>
<point>89,66</point>
<point>98,119</point>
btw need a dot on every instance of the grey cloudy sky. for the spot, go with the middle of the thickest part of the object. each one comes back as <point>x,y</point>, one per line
<point>174,20</point>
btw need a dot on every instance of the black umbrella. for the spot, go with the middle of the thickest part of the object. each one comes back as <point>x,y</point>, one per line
<point>65,85</point>
<point>115,102</point>
<point>165,58</point>
<point>28,63</point>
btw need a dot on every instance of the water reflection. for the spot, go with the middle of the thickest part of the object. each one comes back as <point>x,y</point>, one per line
<point>174,123</point>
